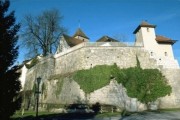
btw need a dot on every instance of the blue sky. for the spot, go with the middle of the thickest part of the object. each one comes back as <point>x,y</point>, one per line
<point>109,17</point>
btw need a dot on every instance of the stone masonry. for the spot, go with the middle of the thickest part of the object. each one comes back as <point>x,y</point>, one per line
<point>85,57</point>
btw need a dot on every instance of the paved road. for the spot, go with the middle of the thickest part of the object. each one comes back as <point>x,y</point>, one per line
<point>148,116</point>
<point>144,116</point>
<point>155,116</point>
<point>170,115</point>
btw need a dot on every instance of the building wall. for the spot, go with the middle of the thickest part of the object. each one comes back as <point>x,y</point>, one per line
<point>63,46</point>
<point>23,76</point>
<point>87,57</point>
<point>165,48</point>
<point>173,100</point>
<point>147,36</point>
<point>84,57</point>
<point>111,94</point>
<point>82,38</point>
<point>44,69</point>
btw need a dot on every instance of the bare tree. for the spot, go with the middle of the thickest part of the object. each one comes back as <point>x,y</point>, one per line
<point>40,34</point>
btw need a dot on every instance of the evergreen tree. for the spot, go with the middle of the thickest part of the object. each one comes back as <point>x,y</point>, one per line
<point>9,83</point>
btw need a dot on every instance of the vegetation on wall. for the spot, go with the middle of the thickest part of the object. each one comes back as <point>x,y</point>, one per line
<point>94,78</point>
<point>147,85</point>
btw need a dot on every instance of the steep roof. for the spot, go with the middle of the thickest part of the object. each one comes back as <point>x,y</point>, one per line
<point>162,39</point>
<point>106,39</point>
<point>79,32</point>
<point>144,24</point>
<point>71,41</point>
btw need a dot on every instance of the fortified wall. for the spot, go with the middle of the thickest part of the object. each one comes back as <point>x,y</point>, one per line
<point>77,53</point>
<point>85,56</point>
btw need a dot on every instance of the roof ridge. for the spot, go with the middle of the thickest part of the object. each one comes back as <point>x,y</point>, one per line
<point>72,41</point>
<point>79,32</point>
<point>163,37</point>
<point>144,24</point>
<point>106,37</point>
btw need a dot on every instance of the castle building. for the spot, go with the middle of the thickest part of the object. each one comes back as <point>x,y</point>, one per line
<point>77,52</point>
<point>67,42</point>
<point>159,47</point>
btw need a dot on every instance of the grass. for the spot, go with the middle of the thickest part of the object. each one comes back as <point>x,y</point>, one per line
<point>30,115</point>
<point>18,114</point>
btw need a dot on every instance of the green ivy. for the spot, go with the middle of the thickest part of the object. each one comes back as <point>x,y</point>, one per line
<point>147,85</point>
<point>94,78</point>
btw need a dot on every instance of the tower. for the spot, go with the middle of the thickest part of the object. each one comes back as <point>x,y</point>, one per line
<point>145,35</point>
<point>79,34</point>
<point>158,46</point>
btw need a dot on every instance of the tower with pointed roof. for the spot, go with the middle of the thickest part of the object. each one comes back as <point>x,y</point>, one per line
<point>159,47</point>
<point>79,34</point>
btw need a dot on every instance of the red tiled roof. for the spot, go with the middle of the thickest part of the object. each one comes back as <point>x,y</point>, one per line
<point>71,41</point>
<point>144,24</point>
<point>162,39</point>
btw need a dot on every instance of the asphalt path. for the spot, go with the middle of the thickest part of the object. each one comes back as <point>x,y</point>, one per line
<point>167,115</point>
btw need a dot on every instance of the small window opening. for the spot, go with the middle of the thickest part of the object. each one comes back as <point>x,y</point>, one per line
<point>165,53</point>
<point>147,29</point>
<point>151,53</point>
<point>91,65</point>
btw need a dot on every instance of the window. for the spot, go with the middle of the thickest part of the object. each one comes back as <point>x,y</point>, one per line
<point>151,53</point>
<point>147,29</point>
<point>165,53</point>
